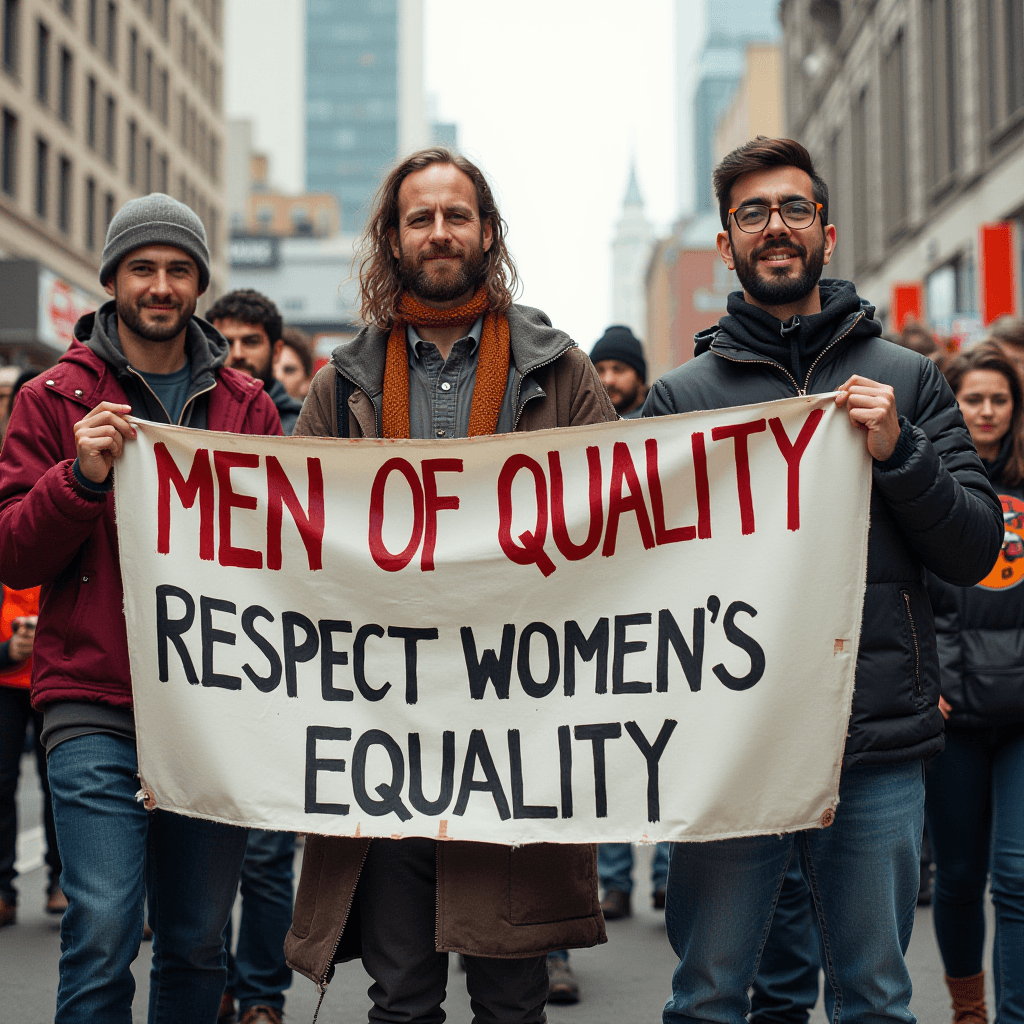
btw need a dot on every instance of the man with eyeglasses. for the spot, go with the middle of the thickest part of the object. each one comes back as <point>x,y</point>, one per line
<point>788,333</point>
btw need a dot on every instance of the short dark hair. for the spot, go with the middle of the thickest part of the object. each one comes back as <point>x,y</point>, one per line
<point>758,154</point>
<point>251,307</point>
<point>302,345</point>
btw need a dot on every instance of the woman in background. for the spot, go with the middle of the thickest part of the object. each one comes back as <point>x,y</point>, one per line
<point>975,792</point>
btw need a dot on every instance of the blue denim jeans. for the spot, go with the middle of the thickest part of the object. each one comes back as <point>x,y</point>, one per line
<point>786,987</point>
<point>975,807</point>
<point>863,873</point>
<point>114,853</point>
<point>615,866</point>
<point>257,973</point>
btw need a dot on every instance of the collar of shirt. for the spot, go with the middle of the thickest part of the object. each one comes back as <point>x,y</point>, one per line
<point>415,342</point>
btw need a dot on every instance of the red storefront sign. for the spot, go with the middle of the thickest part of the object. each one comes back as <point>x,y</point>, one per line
<point>997,271</point>
<point>907,303</point>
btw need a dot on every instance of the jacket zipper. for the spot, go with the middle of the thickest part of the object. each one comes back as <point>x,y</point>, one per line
<point>322,983</point>
<point>188,402</point>
<point>802,391</point>
<point>913,640</point>
<point>523,376</point>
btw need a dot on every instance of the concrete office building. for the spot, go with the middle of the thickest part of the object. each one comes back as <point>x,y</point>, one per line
<point>914,111</point>
<point>100,101</point>
<point>365,101</point>
<point>730,25</point>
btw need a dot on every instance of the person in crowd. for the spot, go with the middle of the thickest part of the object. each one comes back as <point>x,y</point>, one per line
<point>19,610</point>
<point>8,376</point>
<point>1008,331</point>
<point>918,337</point>
<point>975,794</point>
<point>293,362</point>
<point>618,357</point>
<point>615,871</point>
<point>257,973</point>
<point>144,352</point>
<point>252,326</point>
<point>445,354</point>
<point>788,333</point>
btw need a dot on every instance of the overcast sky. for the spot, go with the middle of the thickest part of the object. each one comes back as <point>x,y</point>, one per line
<point>552,98</point>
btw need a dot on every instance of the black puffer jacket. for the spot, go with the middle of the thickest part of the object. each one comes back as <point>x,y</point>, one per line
<point>980,630</point>
<point>932,506</point>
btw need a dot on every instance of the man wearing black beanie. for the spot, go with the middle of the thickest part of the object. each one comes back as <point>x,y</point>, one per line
<point>619,359</point>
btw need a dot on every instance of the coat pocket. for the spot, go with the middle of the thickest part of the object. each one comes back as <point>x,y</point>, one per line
<point>551,882</point>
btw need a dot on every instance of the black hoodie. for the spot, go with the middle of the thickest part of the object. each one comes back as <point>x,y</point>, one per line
<point>932,505</point>
<point>207,352</point>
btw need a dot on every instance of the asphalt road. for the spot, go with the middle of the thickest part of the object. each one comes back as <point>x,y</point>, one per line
<point>628,979</point>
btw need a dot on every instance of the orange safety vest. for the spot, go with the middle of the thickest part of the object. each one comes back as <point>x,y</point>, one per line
<point>17,604</point>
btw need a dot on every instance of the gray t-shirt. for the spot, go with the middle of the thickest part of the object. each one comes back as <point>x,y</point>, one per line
<point>171,388</point>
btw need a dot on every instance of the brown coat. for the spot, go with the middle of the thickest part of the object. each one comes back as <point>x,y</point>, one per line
<point>493,901</point>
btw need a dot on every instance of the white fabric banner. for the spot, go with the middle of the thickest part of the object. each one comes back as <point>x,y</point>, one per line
<point>640,630</point>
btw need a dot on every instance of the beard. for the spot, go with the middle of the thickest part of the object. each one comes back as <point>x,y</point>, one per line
<point>166,330</point>
<point>778,288</point>
<point>264,373</point>
<point>623,400</point>
<point>442,283</point>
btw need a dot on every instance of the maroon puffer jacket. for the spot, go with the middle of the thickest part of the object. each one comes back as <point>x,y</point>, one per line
<point>51,535</point>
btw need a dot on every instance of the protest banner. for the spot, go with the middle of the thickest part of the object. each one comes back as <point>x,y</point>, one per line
<point>640,630</point>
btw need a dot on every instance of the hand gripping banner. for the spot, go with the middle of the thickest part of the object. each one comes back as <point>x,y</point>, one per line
<point>640,630</point>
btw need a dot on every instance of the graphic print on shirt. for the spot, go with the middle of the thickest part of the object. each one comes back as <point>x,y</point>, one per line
<point>1009,568</point>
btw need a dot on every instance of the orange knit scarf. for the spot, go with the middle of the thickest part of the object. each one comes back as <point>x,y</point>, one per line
<point>491,370</point>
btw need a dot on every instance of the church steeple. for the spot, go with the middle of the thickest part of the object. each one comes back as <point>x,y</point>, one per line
<point>633,197</point>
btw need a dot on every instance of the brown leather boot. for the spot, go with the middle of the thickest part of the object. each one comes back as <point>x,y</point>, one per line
<point>968,999</point>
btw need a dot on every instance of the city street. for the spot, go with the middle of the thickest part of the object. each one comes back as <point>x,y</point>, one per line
<point>626,980</point>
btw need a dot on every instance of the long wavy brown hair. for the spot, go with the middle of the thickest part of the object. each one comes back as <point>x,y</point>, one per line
<point>379,279</point>
<point>988,355</point>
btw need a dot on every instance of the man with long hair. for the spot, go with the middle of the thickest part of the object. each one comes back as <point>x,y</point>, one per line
<point>789,333</point>
<point>445,354</point>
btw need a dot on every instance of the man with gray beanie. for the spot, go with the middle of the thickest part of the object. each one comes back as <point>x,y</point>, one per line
<point>619,360</point>
<point>145,352</point>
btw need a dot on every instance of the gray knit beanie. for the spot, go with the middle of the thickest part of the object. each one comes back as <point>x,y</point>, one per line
<point>155,219</point>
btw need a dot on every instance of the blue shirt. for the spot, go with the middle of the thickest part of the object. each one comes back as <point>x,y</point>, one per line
<point>171,388</point>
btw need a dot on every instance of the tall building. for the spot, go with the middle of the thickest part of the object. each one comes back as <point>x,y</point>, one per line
<point>100,101</point>
<point>914,113</point>
<point>730,25</point>
<point>631,249</point>
<point>365,101</point>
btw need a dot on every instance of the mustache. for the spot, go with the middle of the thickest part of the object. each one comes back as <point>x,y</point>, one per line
<point>779,246</point>
<point>449,251</point>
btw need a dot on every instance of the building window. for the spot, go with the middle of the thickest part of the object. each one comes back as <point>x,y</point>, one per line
<point>859,143</point>
<point>162,174</point>
<point>92,22</point>
<point>183,189</point>
<point>184,41</point>
<point>165,96</point>
<point>109,209</point>
<point>133,141</point>
<point>1005,32</point>
<point>214,158</point>
<point>183,115</point>
<point>12,30</point>
<point>111,33</point>
<point>67,70</point>
<point>941,68</point>
<point>42,63</point>
<point>42,172</point>
<point>894,153</point>
<point>68,7</point>
<point>9,154</point>
<point>133,59</point>
<point>90,214</point>
<point>165,18</point>
<point>147,79</point>
<point>90,112</point>
<point>110,135</point>
<point>213,238</point>
<point>64,195</point>
<point>147,165</point>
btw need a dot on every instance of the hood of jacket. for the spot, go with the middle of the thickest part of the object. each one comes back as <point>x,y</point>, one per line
<point>533,343</point>
<point>749,332</point>
<point>207,350</point>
